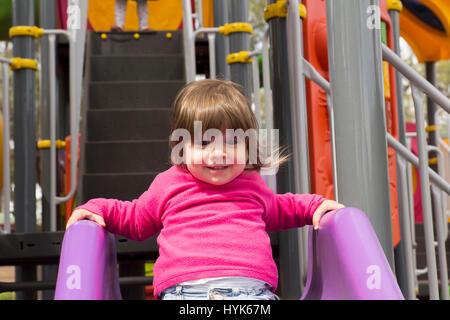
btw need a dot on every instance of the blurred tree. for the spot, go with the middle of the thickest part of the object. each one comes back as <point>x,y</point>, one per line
<point>256,19</point>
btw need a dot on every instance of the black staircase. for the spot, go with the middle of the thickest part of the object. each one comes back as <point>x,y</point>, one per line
<point>130,84</point>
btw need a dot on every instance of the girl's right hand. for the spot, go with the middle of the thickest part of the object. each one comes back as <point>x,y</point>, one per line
<point>81,214</point>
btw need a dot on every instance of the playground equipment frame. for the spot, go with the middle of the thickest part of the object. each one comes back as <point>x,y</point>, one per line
<point>6,134</point>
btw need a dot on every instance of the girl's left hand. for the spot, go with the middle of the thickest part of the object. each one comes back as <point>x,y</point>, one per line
<point>325,206</point>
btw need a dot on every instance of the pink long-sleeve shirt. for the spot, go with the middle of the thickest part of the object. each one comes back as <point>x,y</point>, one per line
<point>207,230</point>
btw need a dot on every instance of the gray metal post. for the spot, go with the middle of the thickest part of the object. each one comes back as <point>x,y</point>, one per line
<point>355,60</point>
<point>299,119</point>
<point>24,137</point>
<point>440,225</point>
<point>222,45</point>
<point>240,41</point>
<point>188,42</point>
<point>6,147</point>
<point>425,193</point>
<point>400,252</point>
<point>47,20</point>
<point>407,283</point>
<point>289,247</point>
<point>430,70</point>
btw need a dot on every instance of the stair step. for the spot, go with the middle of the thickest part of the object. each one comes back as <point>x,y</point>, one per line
<point>122,124</point>
<point>135,95</point>
<point>124,43</point>
<point>126,156</point>
<point>137,68</point>
<point>123,187</point>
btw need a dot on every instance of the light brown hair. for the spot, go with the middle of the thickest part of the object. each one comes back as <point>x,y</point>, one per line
<point>216,103</point>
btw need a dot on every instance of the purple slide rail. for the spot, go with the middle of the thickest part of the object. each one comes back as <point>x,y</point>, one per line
<point>88,264</point>
<point>347,262</point>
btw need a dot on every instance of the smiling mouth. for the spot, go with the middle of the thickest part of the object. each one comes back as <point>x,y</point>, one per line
<point>218,168</point>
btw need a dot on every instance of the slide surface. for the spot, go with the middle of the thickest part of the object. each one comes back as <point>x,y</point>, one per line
<point>346,261</point>
<point>88,264</point>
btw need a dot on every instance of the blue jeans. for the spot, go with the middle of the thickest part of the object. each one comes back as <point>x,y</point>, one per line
<point>205,292</point>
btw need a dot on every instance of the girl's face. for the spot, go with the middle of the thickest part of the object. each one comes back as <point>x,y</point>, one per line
<point>216,162</point>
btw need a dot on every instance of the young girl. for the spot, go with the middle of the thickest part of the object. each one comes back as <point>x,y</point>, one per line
<point>212,209</point>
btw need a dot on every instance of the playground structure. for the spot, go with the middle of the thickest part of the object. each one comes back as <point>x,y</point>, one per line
<point>347,137</point>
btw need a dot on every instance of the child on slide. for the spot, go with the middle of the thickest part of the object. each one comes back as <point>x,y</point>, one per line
<point>120,10</point>
<point>212,208</point>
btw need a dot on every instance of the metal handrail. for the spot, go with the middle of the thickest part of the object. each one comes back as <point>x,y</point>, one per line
<point>413,159</point>
<point>264,52</point>
<point>415,78</point>
<point>419,86</point>
<point>189,39</point>
<point>298,103</point>
<point>6,134</point>
<point>310,72</point>
<point>298,118</point>
<point>211,32</point>
<point>441,172</point>
<point>436,180</point>
<point>76,51</point>
<point>74,128</point>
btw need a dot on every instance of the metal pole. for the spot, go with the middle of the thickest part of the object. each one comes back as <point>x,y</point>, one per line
<point>47,20</point>
<point>256,86</point>
<point>24,137</point>
<point>311,73</point>
<point>431,91</point>
<point>430,71</point>
<point>240,41</point>
<point>212,54</point>
<point>399,250</point>
<point>291,284</point>
<point>199,11</point>
<point>268,109</point>
<point>410,157</point>
<point>52,100</point>
<point>354,55</point>
<point>6,153</point>
<point>394,15</point>
<point>298,103</point>
<point>405,230</point>
<point>442,255</point>
<point>299,118</point>
<point>425,193</point>
<point>189,42</point>
<point>222,45</point>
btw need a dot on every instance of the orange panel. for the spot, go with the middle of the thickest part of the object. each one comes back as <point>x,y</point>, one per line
<point>427,43</point>
<point>162,15</point>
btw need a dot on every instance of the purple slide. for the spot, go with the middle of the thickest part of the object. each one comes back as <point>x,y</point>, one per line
<point>346,261</point>
<point>88,264</point>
